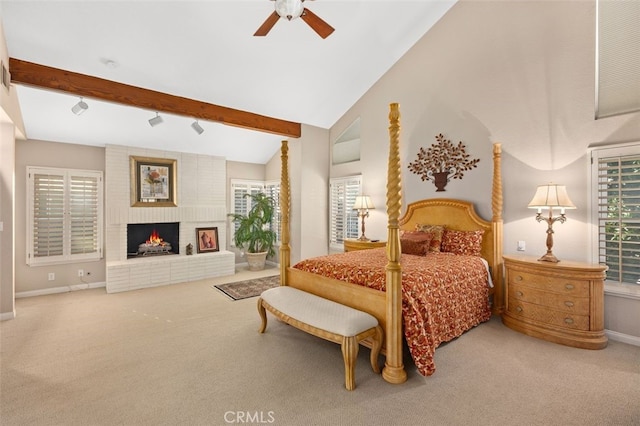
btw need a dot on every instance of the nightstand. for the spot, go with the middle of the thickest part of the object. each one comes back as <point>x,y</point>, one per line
<point>560,302</point>
<point>351,245</point>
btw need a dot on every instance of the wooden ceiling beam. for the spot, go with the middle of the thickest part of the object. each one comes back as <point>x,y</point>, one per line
<point>41,76</point>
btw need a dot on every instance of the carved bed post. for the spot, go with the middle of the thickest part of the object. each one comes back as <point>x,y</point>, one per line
<point>394,371</point>
<point>285,201</point>
<point>497,223</point>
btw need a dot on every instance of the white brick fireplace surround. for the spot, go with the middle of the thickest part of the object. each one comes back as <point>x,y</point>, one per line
<point>201,202</point>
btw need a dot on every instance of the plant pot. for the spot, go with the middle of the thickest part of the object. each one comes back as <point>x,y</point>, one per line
<point>256,261</point>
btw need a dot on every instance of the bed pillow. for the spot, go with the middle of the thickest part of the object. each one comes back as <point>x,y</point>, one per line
<point>416,243</point>
<point>436,231</point>
<point>462,242</point>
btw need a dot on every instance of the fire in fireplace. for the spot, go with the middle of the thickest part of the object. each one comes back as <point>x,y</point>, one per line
<point>154,245</point>
<point>149,239</point>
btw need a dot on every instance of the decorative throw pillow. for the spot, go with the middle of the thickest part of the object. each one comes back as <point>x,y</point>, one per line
<point>416,243</point>
<point>462,242</point>
<point>437,231</point>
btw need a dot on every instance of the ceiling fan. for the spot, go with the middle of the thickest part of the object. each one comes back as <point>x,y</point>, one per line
<point>291,9</point>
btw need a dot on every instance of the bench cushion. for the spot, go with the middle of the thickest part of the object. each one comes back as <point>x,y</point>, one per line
<point>318,312</point>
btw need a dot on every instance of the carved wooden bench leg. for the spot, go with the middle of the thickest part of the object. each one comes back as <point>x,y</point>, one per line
<point>350,349</point>
<point>263,315</point>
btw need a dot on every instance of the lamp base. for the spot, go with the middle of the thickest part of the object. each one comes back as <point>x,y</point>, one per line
<point>549,257</point>
<point>363,238</point>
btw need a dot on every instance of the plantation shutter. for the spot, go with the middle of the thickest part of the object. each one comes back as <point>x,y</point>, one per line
<point>48,212</point>
<point>343,220</point>
<point>273,190</point>
<point>83,214</point>
<point>618,212</point>
<point>241,204</point>
<point>64,215</point>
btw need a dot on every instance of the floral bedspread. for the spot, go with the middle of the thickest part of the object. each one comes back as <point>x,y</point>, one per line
<point>443,294</point>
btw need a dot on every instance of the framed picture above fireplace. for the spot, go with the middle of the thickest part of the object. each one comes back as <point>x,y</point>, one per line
<point>153,182</point>
<point>207,239</point>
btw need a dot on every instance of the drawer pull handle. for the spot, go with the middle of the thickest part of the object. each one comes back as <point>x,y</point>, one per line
<point>568,286</point>
<point>569,304</point>
<point>568,320</point>
<point>519,293</point>
<point>519,278</point>
<point>518,309</point>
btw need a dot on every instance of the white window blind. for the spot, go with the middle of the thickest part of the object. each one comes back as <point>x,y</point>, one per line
<point>343,219</point>
<point>618,57</point>
<point>617,175</point>
<point>64,214</point>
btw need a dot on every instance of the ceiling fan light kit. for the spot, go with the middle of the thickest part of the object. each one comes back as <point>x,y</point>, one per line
<point>291,9</point>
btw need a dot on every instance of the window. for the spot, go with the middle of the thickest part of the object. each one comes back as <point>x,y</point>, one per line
<point>618,58</point>
<point>616,183</point>
<point>343,221</point>
<point>64,215</point>
<point>240,204</point>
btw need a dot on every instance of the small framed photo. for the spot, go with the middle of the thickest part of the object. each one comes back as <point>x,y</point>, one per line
<point>207,239</point>
<point>153,182</point>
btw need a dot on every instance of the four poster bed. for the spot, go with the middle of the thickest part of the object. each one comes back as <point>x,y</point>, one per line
<point>439,294</point>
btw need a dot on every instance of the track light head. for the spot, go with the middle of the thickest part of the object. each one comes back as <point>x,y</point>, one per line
<point>80,107</point>
<point>197,127</point>
<point>155,120</point>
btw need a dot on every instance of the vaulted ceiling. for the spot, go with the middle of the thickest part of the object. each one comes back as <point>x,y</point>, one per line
<point>204,57</point>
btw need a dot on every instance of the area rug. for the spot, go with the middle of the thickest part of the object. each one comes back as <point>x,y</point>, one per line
<point>250,288</point>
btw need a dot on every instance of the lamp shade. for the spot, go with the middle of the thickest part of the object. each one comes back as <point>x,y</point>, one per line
<point>363,202</point>
<point>551,195</point>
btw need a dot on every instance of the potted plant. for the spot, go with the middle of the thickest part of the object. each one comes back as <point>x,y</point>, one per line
<point>254,233</point>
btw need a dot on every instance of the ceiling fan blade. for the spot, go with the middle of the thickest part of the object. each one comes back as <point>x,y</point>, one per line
<point>323,29</point>
<point>267,25</point>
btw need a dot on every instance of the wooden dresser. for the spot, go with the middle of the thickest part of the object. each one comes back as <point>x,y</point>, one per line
<point>351,245</point>
<point>561,302</point>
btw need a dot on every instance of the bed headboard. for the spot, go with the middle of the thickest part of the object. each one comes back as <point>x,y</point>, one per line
<point>454,214</point>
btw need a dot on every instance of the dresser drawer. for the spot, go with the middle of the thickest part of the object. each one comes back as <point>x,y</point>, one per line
<point>577,288</point>
<point>546,315</point>
<point>561,302</point>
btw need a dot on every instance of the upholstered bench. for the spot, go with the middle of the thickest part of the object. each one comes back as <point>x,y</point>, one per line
<point>326,319</point>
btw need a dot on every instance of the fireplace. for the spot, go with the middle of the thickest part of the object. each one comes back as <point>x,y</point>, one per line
<point>152,239</point>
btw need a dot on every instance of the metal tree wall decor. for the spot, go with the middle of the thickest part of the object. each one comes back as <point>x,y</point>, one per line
<point>442,161</point>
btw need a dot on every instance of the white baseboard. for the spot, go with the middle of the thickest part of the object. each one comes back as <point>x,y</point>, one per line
<point>7,315</point>
<point>624,338</point>
<point>63,289</point>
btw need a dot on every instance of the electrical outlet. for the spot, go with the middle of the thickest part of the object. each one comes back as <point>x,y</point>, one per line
<point>52,276</point>
<point>80,273</point>
<point>521,245</point>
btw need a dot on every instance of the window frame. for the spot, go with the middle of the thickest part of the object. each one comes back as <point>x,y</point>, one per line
<point>620,288</point>
<point>72,214</point>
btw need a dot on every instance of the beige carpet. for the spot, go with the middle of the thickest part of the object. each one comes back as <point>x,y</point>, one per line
<point>187,355</point>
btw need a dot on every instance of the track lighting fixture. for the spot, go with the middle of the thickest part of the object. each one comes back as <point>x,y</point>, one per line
<point>155,120</point>
<point>80,107</point>
<point>197,127</point>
